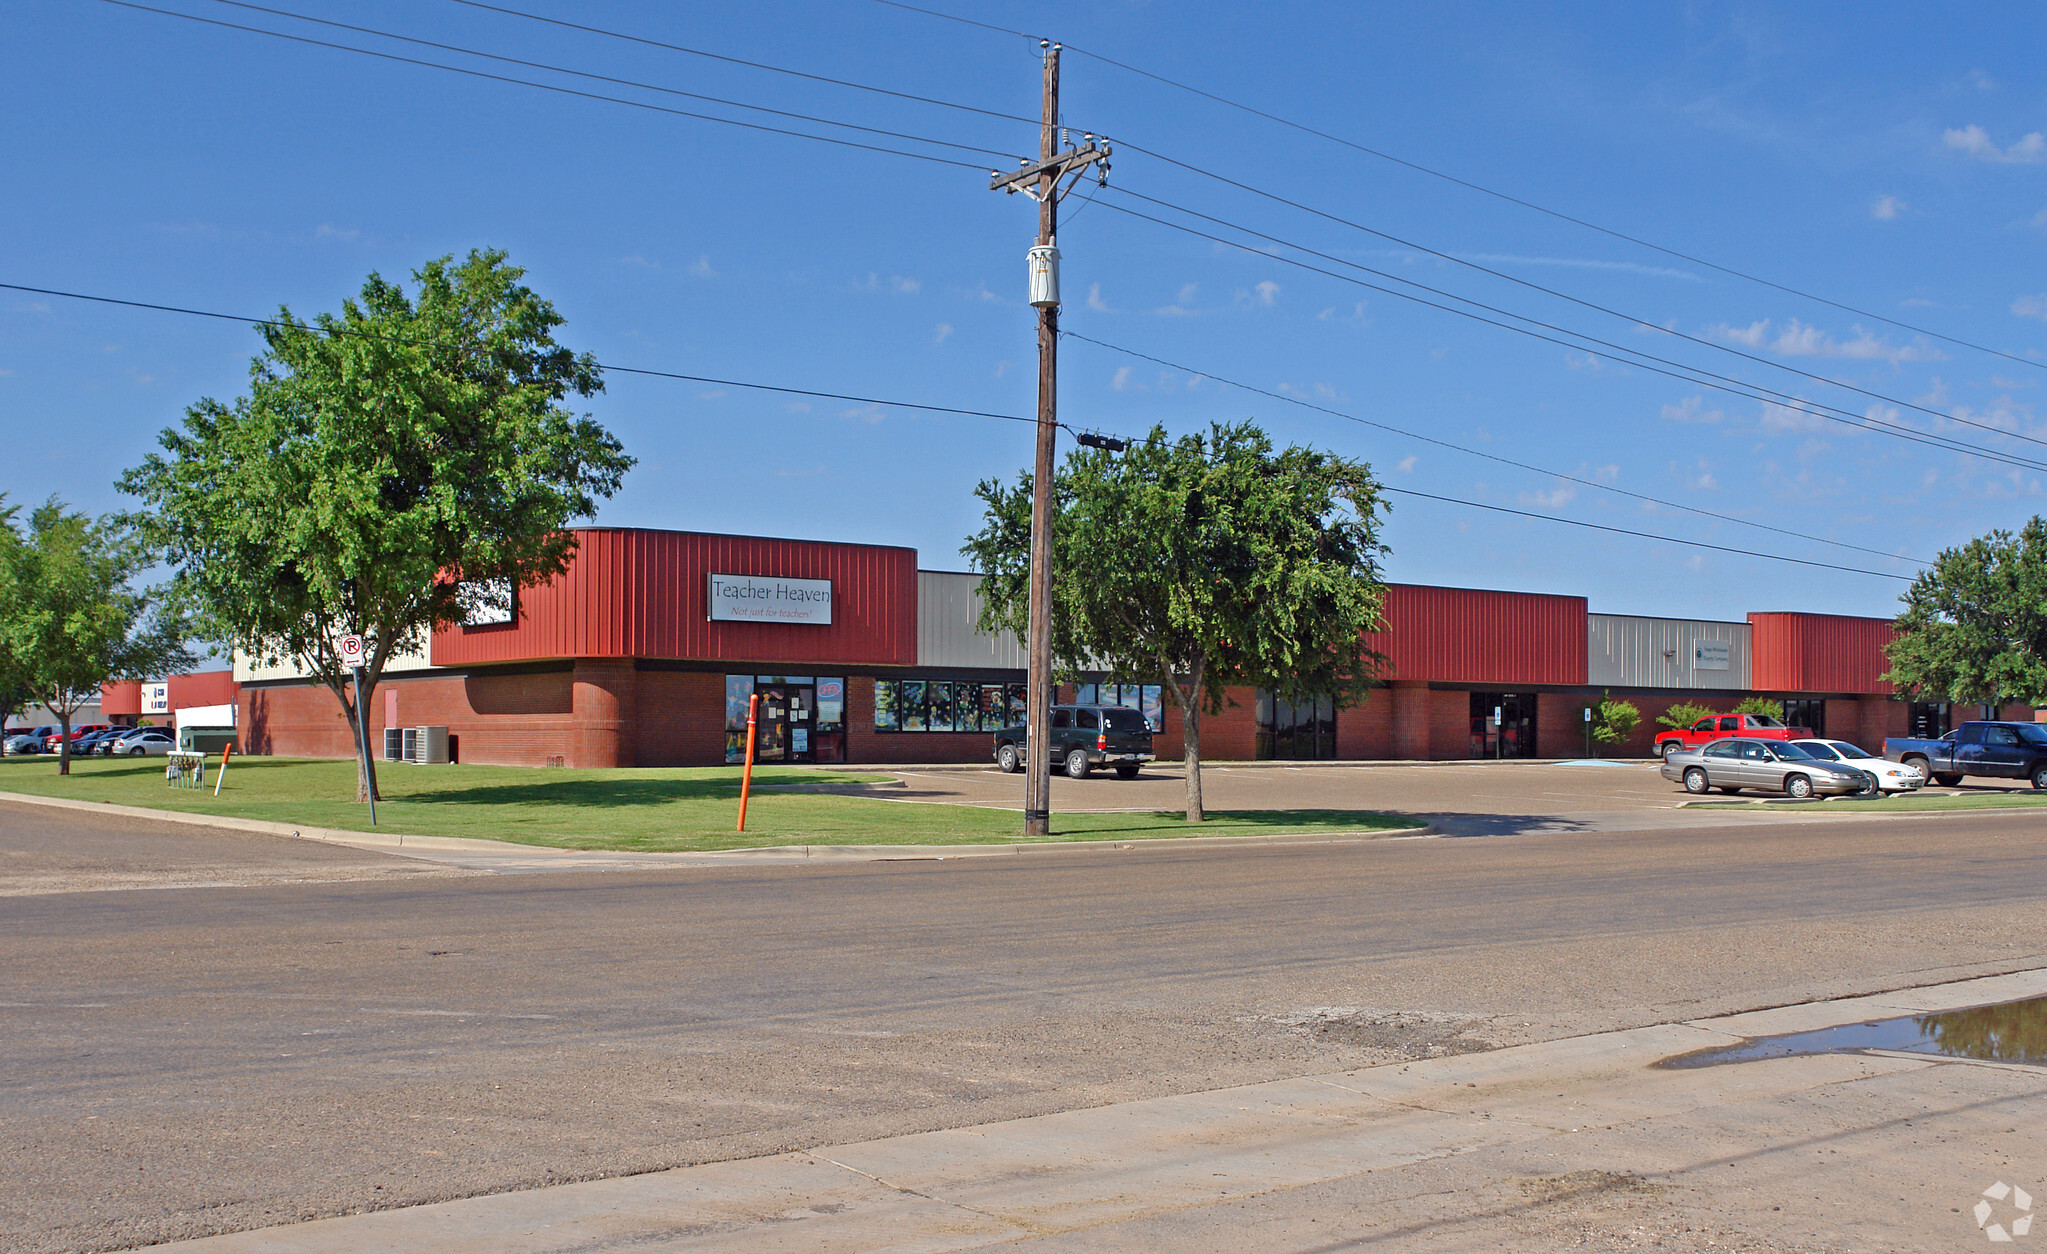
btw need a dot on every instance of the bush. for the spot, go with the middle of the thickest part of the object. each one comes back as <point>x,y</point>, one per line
<point>1684,714</point>
<point>1612,720</point>
<point>1759,705</point>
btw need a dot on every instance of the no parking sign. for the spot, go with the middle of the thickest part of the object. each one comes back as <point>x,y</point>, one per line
<point>350,650</point>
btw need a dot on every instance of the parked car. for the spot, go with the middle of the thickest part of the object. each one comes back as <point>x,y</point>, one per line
<point>1083,737</point>
<point>1998,750</point>
<point>57,734</point>
<point>1771,766</point>
<point>95,741</point>
<point>1715,726</point>
<point>1890,776</point>
<point>154,741</point>
<point>21,743</point>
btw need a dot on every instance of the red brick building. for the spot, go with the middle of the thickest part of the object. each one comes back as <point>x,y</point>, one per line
<point>646,650</point>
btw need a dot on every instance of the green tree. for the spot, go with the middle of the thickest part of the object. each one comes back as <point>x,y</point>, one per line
<point>70,617</point>
<point>1974,627</point>
<point>1199,563</point>
<point>1684,714</point>
<point>1760,705</point>
<point>389,464</point>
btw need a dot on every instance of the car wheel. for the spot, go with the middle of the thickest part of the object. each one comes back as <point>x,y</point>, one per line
<point>1128,770</point>
<point>2040,777</point>
<point>1947,781</point>
<point>1667,748</point>
<point>1007,759</point>
<point>1077,765</point>
<point>137,751</point>
<point>1695,781</point>
<point>1798,786</point>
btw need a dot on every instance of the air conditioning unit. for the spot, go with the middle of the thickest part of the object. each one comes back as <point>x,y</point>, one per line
<point>426,746</point>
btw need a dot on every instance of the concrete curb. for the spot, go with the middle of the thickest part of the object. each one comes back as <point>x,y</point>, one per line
<point>426,847</point>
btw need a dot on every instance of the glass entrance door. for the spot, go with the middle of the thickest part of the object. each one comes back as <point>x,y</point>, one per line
<point>787,730</point>
<point>1502,724</point>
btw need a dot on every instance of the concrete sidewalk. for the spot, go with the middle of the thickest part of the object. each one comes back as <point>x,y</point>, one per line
<point>1550,1146</point>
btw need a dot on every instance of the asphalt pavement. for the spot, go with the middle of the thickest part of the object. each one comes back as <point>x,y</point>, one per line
<point>343,1030</point>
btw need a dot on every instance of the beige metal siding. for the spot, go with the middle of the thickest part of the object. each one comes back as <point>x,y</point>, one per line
<point>1629,652</point>
<point>948,604</point>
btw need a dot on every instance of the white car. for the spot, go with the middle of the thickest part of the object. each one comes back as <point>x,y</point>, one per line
<point>1890,776</point>
<point>155,741</point>
<point>20,743</point>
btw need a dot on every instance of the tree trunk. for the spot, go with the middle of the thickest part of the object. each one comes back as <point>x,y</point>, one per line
<point>63,744</point>
<point>365,755</point>
<point>1190,739</point>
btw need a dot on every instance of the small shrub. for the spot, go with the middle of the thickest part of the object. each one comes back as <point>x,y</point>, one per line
<point>1684,714</point>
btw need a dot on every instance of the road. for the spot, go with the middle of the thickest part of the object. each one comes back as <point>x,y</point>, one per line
<point>346,1030</point>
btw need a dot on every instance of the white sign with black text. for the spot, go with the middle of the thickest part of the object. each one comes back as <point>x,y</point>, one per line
<point>1712,655</point>
<point>156,698</point>
<point>763,599</point>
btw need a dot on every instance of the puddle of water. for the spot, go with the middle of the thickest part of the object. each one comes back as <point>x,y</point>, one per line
<point>2015,1031</point>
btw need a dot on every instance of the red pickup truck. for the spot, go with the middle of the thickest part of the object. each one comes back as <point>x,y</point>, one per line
<point>1720,726</point>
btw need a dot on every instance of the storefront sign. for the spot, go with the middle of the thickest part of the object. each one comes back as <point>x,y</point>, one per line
<point>156,698</point>
<point>1711,655</point>
<point>757,599</point>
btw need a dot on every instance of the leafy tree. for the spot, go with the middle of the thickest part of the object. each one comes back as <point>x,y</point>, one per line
<point>70,619</point>
<point>1199,563</point>
<point>1612,720</point>
<point>1684,714</point>
<point>389,462</point>
<point>1759,705</point>
<point>1974,626</point>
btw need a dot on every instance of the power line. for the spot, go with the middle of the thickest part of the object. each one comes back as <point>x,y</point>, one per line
<point>1646,535</point>
<point>1547,291</point>
<point>1494,457</point>
<point>966,21</point>
<point>1467,184</point>
<point>769,387</point>
<point>606,78</point>
<point>566,91</point>
<point>659,374</point>
<point>1629,356</point>
<point>753,65</point>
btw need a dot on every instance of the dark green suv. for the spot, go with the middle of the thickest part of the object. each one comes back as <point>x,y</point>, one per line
<point>1084,737</point>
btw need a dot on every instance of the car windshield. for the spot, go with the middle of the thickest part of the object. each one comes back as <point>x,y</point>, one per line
<point>1847,750</point>
<point>1793,753</point>
<point>1124,721</point>
<point>1819,749</point>
<point>1763,720</point>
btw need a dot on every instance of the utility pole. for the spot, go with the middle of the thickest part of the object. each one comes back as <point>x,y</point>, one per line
<point>1041,183</point>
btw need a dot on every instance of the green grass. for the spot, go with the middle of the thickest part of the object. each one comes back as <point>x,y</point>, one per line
<point>648,809</point>
<point>1967,801</point>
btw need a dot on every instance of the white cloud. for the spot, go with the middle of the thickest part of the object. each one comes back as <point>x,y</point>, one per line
<point>1406,464</point>
<point>329,231</point>
<point>1556,498</point>
<point>1692,409</point>
<point>981,292</point>
<point>1976,142</point>
<point>701,267</point>
<point>1121,382</point>
<point>944,329</point>
<point>1094,298</point>
<point>1268,292</point>
<point>1182,304</point>
<point>867,413</point>
<point>902,286</point>
<point>2030,306</point>
<point>1778,417</point>
<point>1798,339</point>
<point>717,395</point>
<point>796,407</point>
<point>1579,263</point>
<point>1887,208</point>
<point>1002,368</point>
<point>1980,80</point>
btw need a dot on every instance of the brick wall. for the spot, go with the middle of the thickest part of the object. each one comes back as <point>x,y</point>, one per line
<point>1449,725</point>
<point>682,718</point>
<point>509,719</point>
<point>1365,731</point>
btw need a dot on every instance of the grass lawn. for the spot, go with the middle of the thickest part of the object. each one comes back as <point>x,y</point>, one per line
<point>1966,801</point>
<point>655,808</point>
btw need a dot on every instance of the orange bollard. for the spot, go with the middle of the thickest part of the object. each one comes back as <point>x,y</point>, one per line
<point>753,706</point>
<point>226,751</point>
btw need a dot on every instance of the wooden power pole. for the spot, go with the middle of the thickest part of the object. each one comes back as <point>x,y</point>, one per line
<point>1041,182</point>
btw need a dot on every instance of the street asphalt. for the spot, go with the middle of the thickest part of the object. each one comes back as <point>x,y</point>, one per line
<point>333,1030</point>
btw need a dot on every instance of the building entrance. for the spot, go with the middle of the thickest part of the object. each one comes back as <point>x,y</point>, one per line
<point>1502,724</point>
<point>787,727</point>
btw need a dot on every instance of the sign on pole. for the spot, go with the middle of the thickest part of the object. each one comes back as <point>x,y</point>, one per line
<point>350,650</point>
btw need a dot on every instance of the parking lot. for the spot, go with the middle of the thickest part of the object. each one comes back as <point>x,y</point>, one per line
<point>1464,798</point>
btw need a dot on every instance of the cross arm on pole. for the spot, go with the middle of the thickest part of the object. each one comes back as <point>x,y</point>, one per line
<point>1027,179</point>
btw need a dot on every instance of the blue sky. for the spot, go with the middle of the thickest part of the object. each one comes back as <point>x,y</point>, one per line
<point>1887,157</point>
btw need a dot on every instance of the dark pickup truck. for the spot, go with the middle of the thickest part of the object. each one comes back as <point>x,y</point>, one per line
<point>2002,750</point>
<point>1084,737</point>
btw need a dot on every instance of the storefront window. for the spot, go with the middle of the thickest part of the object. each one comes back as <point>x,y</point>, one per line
<point>910,701</point>
<point>1295,730</point>
<point>1811,715</point>
<point>738,690</point>
<point>949,705</point>
<point>1502,724</point>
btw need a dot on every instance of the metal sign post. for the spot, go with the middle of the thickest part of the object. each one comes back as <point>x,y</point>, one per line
<point>350,651</point>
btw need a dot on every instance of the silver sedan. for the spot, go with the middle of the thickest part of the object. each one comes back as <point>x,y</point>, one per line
<point>1767,765</point>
